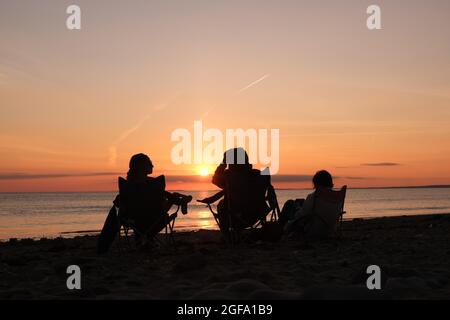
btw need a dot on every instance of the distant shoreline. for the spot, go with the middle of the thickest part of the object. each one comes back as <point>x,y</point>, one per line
<point>445,186</point>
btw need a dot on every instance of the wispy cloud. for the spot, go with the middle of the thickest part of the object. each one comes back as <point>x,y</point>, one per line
<point>275,178</point>
<point>21,65</point>
<point>291,178</point>
<point>287,178</point>
<point>306,178</point>
<point>381,164</point>
<point>353,178</point>
<point>279,178</point>
<point>30,176</point>
<point>33,149</point>
<point>254,83</point>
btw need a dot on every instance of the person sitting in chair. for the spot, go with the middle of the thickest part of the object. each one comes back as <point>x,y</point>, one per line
<point>147,200</point>
<point>143,204</point>
<point>243,192</point>
<point>318,214</point>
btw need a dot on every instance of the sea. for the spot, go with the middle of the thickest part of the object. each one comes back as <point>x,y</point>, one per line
<point>50,215</point>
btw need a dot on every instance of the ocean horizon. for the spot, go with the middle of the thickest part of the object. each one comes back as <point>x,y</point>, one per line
<point>67,214</point>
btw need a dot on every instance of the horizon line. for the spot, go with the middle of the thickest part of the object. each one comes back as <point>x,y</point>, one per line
<point>433,186</point>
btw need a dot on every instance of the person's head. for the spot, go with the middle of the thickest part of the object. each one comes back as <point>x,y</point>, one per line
<point>322,179</point>
<point>236,159</point>
<point>140,166</point>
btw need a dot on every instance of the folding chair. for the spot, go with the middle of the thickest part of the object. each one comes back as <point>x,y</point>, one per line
<point>140,204</point>
<point>343,193</point>
<point>333,196</point>
<point>253,191</point>
<point>127,225</point>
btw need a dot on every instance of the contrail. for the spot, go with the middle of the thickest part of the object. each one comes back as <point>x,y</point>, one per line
<point>126,133</point>
<point>253,84</point>
<point>123,136</point>
<point>164,105</point>
<point>237,93</point>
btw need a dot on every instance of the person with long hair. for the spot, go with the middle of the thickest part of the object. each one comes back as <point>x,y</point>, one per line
<point>140,169</point>
<point>143,200</point>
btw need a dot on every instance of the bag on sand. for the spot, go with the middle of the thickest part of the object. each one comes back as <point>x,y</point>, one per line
<point>109,232</point>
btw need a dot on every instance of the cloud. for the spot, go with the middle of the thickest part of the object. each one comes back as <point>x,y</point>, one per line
<point>381,164</point>
<point>287,178</point>
<point>353,178</point>
<point>187,178</point>
<point>305,178</point>
<point>291,178</point>
<point>275,178</point>
<point>28,176</point>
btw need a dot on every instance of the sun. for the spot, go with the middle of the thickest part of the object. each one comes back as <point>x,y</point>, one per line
<point>203,171</point>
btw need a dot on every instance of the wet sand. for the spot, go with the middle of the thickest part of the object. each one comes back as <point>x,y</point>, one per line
<point>412,252</point>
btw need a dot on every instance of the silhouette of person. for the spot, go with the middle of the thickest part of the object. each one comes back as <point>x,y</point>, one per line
<point>316,216</point>
<point>138,179</point>
<point>143,200</point>
<point>243,189</point>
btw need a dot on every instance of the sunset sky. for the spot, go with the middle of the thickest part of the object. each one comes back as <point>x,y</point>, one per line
<point>372,107</point>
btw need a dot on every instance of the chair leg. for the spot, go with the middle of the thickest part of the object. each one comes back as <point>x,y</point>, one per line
<point>121,239</point>
<point>127,238</point>
<point>119,245</point>
<point>172,238</point>
<point>339,229</point>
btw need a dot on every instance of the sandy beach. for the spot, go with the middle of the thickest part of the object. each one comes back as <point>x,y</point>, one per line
<point>412,252</point>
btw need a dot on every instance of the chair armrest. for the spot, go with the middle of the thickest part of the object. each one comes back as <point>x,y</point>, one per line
<point>212,199</point>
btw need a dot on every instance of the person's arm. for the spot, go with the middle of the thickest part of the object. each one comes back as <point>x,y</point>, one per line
<point>213,198</point>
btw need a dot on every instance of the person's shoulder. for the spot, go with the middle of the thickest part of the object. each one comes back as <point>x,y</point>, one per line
<point>311,196</point>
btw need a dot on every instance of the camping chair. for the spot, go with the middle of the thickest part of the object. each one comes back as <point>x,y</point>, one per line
<point>127,225</point>
<point>343,193</point>
<point>137,204</point>
<point>334,196</point>
<point>255,191</point>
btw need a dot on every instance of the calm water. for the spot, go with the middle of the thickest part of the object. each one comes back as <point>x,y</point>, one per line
<point>50,214</point>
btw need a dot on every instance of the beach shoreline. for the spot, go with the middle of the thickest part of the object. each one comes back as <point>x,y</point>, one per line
<point>413,253</point>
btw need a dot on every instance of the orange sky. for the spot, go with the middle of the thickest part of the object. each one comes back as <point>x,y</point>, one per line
<point>372,107</point>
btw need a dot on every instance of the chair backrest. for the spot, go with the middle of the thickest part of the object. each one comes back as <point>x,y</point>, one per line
<point>329,205</point>
<point>245,193</point>
<point>142,202</point>
<point>332,196</point>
